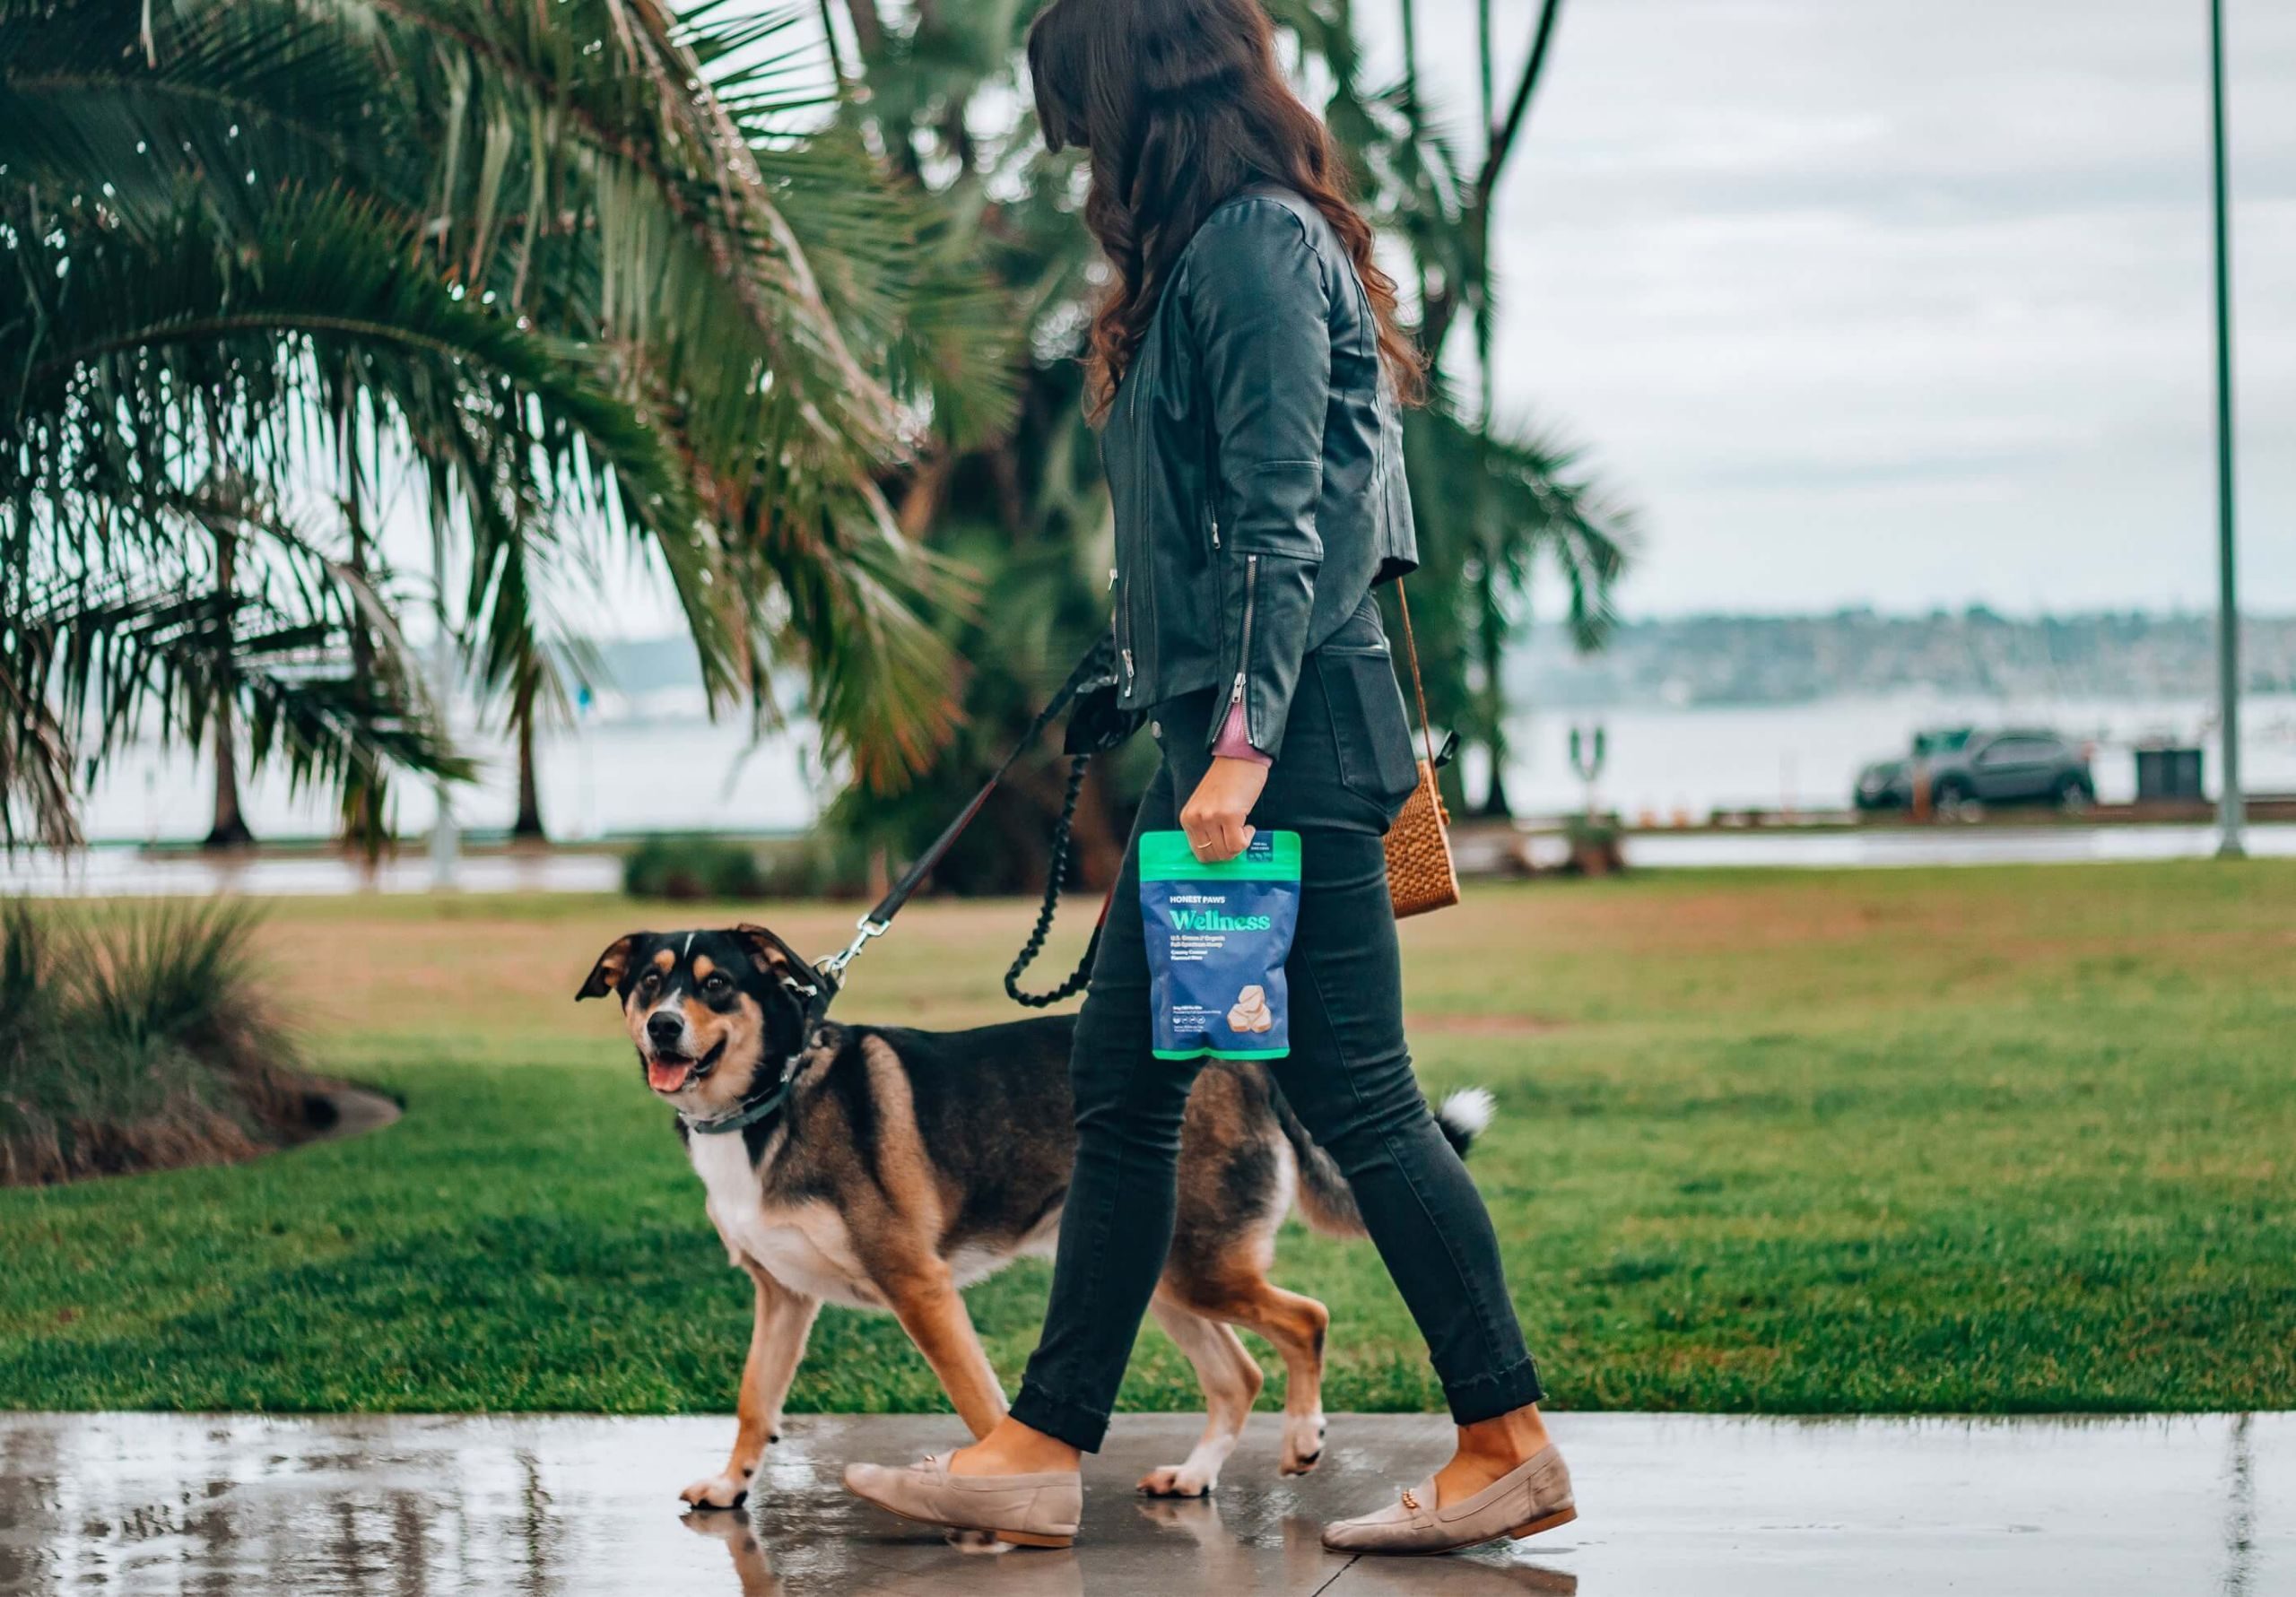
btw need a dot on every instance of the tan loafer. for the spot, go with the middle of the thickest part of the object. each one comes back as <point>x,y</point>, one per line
<point>1027,1510</point>
<point>1534,1496</point>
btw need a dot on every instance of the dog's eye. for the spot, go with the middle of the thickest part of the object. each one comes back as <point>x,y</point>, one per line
<point>717,982</point>
<point>648,983</point>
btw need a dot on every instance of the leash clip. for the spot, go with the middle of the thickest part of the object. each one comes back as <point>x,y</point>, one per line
<point>834,966</point>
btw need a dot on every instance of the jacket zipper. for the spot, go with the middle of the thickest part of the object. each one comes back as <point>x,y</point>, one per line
<point>1123,624</point>
<point>1244,656</point>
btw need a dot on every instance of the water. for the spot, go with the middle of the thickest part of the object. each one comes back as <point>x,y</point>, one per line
<point>657,764</point>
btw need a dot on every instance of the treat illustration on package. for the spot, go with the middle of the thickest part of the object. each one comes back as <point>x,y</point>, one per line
<point>1251,1012</point>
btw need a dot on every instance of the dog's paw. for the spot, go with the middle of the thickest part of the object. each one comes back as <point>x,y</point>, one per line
<point>1303,1444</point>
<point>1177,1480</point>
<point>719,1491</point>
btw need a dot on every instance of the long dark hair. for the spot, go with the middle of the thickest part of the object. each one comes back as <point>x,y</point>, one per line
<point>1180,104</point>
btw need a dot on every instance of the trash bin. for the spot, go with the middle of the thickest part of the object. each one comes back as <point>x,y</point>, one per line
<point>2168,775</point>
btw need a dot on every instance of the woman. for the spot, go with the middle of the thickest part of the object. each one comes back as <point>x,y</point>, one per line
<point>1246,366</point>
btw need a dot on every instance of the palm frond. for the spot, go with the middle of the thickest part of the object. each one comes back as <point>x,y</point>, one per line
<point>156,654</point>
<point>534,243</point>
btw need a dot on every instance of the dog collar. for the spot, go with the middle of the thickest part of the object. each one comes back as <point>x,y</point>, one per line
<point>752,1110</point>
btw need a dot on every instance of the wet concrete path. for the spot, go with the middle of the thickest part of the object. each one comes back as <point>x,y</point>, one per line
<point>251,1506</point>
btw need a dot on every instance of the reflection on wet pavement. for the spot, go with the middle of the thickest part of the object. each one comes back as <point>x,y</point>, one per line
<point>255,1504</point>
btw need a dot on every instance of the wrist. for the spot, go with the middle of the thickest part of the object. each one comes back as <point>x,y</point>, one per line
<point>1241,766</point>
<point>1234,743</point>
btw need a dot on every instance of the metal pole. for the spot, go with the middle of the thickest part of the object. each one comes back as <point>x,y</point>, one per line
<point>2230,809</point>
<point>445,843</point>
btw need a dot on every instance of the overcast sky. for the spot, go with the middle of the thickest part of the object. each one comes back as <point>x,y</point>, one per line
<point>1898,302</point>
<point>1903,302</point>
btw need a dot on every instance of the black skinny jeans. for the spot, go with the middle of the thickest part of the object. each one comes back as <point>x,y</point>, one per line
<point>1345,769</point>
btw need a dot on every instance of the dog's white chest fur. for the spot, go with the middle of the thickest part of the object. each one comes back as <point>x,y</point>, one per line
<point>804,1247</point>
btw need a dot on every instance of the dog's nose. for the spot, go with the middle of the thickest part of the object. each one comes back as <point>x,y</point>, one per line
<point>664,1030</point>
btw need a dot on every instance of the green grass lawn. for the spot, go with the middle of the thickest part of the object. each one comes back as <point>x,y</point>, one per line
<point>1992,1140</point>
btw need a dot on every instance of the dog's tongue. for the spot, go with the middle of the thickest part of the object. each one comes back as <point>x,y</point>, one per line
<point>668,1075</point>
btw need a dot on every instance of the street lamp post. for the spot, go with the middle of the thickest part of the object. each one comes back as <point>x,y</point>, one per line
<point>2231,811</point>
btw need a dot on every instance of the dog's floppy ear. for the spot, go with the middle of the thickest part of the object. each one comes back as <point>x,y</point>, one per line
<point>606,974</point>
<point>768,952</point>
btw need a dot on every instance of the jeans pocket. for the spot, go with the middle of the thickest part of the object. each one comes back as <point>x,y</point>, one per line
<point>1368,726</point>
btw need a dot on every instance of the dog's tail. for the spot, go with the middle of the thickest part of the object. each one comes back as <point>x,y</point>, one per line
<point>1326,1201</point>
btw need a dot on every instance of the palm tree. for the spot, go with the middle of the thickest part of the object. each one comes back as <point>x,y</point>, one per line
<point>1012,496</point>
<point>1508,504</point>
<point>1022,505</point>
<point>577,270</point>
<point>1495,502</point>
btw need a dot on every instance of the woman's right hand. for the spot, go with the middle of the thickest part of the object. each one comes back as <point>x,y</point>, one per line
<point>1214,817</point>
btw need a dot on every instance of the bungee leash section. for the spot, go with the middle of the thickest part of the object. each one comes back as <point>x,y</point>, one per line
<point>1097,725</point>
<point>1056,873</point>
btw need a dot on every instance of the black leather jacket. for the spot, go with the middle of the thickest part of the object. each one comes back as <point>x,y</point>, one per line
<point>1255,465</point>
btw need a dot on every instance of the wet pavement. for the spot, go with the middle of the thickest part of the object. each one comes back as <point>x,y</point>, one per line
<point>256,1505</point>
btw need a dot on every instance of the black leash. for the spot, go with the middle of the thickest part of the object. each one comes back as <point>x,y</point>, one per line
<point>1100,724</point>
<point>1078,764</point>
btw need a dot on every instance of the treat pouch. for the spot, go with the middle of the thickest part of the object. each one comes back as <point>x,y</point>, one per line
<point>1218,935</point>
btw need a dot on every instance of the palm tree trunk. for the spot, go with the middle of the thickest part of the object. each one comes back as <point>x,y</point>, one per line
<point>1412,109</point>
<point>362,833</point>
<point>230,829</point>
<point>1502,133</point>
<point>1491,646</point>
<point>529,826</point>
<point>1483,80</point>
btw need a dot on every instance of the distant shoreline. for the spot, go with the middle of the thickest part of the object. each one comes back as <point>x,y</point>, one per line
<point>1742,661</point>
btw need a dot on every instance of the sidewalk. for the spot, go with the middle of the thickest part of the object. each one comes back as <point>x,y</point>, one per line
<point>255,1504</point>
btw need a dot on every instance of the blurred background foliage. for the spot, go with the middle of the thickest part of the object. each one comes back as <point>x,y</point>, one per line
<point>786,298</point>
<point>1495,501</point>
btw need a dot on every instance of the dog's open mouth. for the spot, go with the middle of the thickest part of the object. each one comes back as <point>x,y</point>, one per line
<point>673,1072</point>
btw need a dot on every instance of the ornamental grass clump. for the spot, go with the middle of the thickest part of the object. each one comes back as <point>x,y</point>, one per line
<point>140,1040</point>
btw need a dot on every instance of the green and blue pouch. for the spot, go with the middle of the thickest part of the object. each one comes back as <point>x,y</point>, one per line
<point>1218,935</point>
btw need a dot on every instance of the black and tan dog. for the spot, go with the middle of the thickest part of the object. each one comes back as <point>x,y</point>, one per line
<point>906,1164</point>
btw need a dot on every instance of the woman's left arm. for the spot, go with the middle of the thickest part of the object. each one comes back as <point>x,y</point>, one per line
<point>1258,299</point>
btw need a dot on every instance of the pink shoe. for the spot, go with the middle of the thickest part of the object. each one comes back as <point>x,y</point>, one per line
<point>1026,1510</point>
<point>1534,1496</point>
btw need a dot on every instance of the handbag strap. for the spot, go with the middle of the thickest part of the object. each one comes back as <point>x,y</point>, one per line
<point>1418,688</point>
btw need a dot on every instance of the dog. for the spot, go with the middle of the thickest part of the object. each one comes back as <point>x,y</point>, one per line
<point>905,1164</point>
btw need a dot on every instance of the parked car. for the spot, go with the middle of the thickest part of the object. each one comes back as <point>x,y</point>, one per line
<point>1966,767</point>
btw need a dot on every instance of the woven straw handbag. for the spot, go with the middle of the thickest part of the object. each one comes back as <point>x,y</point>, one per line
<point>1420,874</point>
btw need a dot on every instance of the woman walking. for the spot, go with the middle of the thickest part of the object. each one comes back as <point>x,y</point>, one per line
<point>1246,369</point>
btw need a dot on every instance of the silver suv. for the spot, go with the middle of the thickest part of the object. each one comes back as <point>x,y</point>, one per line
<point>1968,767</point>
